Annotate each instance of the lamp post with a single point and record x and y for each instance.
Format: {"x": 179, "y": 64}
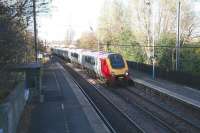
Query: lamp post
{"x": 153, "y": 41}
{"x": 178, "y": 36}
{"x": 152, "y": 55}
{"x": 35, "y": 31}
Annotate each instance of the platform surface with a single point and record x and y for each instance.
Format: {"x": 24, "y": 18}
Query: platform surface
{"x": 65, "y": 109}
{"x": 181, "y": 92}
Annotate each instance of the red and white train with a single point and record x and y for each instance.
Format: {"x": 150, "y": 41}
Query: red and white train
{"x": 104, "y": 65}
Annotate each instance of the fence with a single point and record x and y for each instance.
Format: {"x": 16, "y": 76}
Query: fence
{"x": 175, "y": 76}
{"x": 189, "y": 62}
{"x": 189, "y": 59}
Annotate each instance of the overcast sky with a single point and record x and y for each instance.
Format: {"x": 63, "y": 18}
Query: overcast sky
{"x": 79, "y": 14}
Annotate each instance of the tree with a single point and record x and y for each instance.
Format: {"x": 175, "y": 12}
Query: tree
{"x": 88, "y": 41}
{"x": 113, "y": 22}
{"x": 165, "y": 20}
{"x": 16, "y": 41}
{"x": 115, "y": 30}
{"x": 165, "y": 52}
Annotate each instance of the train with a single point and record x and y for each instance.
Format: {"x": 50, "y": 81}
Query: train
{"x": 107, "y": 66}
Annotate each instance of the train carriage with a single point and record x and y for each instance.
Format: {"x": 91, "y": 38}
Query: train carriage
{"x": 105, "y": 65}
{"x": 62, "y": 52}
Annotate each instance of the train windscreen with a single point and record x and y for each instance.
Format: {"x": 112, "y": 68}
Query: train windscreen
{"x": 116, "y": 61}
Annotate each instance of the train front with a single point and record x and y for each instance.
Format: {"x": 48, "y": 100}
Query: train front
{"x": 115, "y": 68}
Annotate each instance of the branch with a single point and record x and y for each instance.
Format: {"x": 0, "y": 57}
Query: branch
{"x": 19, "y": 9}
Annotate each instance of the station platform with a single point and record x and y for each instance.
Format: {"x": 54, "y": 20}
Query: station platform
{"x": 65, "y": 109}
{"x": 183, "y": 93}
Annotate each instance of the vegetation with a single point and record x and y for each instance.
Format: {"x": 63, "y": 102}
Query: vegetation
{"x": 88, "y": 41}
{"x": 16, "y": 41}
{"x": 127, "y": 27}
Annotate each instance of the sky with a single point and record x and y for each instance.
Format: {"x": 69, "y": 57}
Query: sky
{"x": 196, "y": 4}
{"x": 78, "y": 15}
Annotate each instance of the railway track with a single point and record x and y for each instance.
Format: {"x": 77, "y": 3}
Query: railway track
{"x": 181, "y": 109}
{"x": 124, "y": 95}
{"x": 166, "y": 117}
{"x": 114, "y": 118}
{"x": 120, "y": 122}
{"x": 170, "y": 120}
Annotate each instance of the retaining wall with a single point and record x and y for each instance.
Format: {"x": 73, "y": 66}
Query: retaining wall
{"x": 11, "y": 109}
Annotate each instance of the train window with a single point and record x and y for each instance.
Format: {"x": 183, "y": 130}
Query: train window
{"x": 89, "y": 60}
{"x": 76, "y": 55}
{"x": 65, "y": 53}
{"x": 92, "y": 61}
{"x": 116, "y": 61}
{"x": 86, "y": 59}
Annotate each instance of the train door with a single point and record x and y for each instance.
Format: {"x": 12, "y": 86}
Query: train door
{"x": 98, "y": 66}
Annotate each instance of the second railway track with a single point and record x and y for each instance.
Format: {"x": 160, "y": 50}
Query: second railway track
{"x": 182, "y": 124}
{"x": 176, "y": 123}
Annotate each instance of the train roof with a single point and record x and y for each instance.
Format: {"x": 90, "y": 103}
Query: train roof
{"x": 98, "y": 54}
{"x": 87, "y": 52}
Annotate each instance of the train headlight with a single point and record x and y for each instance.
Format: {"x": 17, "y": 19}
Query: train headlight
{"x": 126, "y": 73}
